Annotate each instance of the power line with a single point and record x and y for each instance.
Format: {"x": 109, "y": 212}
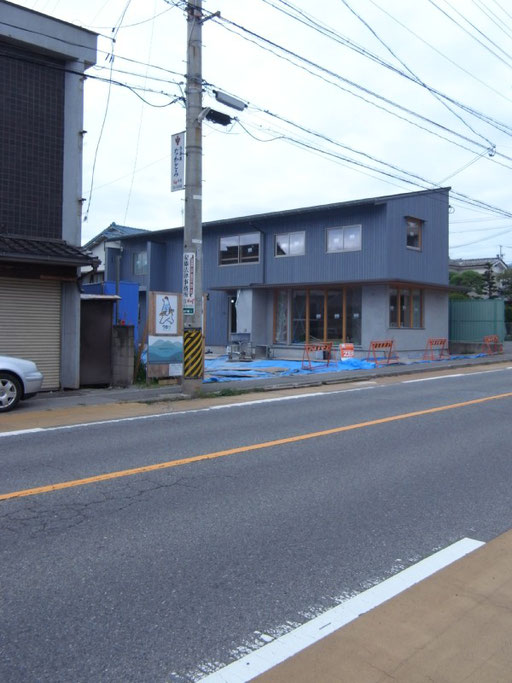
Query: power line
{"x": 441, "y": 54}
{"x": 471, "y": 35}
{"x": 415, "y": 76}
{"x": 289, "y": 55}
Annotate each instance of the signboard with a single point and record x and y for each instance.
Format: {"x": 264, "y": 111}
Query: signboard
{"x": 166, "y": 313}
{"x": 178, "y": 162}
{"x": 189, "y": 283}
{"x": 168, "y": 352}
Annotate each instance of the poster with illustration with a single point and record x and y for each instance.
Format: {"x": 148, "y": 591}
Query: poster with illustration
{"x": 166, "y": 314}
{"x": 166, "y": 351}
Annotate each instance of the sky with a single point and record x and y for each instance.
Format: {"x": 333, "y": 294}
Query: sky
{"x": 347, "y": 99}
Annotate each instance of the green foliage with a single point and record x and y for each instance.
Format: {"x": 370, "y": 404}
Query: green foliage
{"x": 472, "y": 282}
{"x": 490, "y": 286}
{"x": 505, "y": 281}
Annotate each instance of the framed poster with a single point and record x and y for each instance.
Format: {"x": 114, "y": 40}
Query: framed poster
{"x": 166, "y": 313}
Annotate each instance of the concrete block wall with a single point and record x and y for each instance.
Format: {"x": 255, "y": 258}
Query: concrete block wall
{"x": 123, "y": 354}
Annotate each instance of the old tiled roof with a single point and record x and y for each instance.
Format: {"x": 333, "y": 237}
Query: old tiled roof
{"x": 112, "y": 232}
{"x": 36, "y": 250}
{"x": 469, "y": 262}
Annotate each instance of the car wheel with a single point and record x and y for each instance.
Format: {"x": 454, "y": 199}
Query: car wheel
{"x": 10, "y": 392}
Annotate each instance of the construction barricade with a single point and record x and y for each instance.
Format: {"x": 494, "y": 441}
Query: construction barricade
{"x": 492, "y": 345}
{"x": 325, "y": 347}
{"x": 436, "y": 349}
{"x": 387, "y": 346}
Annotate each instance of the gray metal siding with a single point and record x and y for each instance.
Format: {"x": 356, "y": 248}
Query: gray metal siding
{"x": 316, "y": 265}
{"x": 430, "y": 264}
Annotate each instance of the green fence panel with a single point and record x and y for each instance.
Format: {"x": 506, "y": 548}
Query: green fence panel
{"x": 471, "y": 321}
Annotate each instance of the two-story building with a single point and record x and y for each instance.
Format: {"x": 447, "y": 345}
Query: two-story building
{"x": 355, "y": 271}
{"x": 42, "y": 65}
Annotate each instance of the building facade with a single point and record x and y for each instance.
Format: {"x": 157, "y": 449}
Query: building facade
{"x": 42, "y": 64}
{"x": 355, "y": 272}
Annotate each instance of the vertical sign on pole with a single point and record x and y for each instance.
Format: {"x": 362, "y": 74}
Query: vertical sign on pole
{"x": 178, "y": 162}
{"x": 189, "y": 283}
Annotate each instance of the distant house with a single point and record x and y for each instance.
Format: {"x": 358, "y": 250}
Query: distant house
{"x": 479, "y": 265}
{"x": 42, "y": 65}
{"x": 355, "y": 271}
{"x": 96, "y": 246}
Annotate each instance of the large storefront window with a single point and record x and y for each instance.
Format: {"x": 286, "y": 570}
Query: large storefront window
{"x": 318, "y": 315}
{"x": 353, "y": 315}
{"x": 335, "y": 314}
{"x": 281, "y": 316}
{"x": 405, "y": 307}
{"x": 299, "y": 304}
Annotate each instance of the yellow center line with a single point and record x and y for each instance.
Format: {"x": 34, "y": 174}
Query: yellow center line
{"x": 242, "y": 449}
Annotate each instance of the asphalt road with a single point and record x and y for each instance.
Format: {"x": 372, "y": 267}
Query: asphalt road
{"x": 167, "y": 574}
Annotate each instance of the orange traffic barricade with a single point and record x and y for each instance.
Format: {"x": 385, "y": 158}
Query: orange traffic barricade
{"x": 325, "y": 347}
{"x": 436, "y": 349}
{"x": 387, "y": 346}
{"x": 491, "y": 344}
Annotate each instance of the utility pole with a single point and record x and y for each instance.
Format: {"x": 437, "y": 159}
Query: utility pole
{"x": 193, "y": 341}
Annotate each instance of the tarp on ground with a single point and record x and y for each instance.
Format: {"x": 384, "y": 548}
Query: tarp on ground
{"x": 222, "y": 370}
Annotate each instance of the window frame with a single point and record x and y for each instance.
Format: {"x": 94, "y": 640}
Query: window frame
{"x": 344, "y": 228}
{"x": 288, "y": 236}
{"x": 137, "y": 267}
{"x": 418, "y": 223}
{"x": 400, "y": 293}
{"x": 241, "y": 260}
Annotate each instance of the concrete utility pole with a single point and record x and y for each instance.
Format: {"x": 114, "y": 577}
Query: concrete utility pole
{"x": 193, "y": 341}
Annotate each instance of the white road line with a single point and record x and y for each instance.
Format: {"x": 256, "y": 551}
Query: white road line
{"x": 430, "y": 379}
{"x": 293, "y": 642}
{"x": 225, "y": 406}
{"x": 459, "y": 374}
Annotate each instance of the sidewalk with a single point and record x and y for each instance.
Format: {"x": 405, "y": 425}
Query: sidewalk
{"x": 454, "y": 626}
{"x": 154, "y": 394}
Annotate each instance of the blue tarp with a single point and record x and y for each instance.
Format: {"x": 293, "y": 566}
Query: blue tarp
{"x": 220, "y": 369}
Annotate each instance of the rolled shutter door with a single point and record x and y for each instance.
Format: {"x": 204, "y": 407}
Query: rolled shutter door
{"x": 30, "y": 313}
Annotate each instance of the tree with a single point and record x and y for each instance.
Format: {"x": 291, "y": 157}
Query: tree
{"x": 490, "y": 286}
{"x": 472, "y": 282}
{"x": 505, "y": 282}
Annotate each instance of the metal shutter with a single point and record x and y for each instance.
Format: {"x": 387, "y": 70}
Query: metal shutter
{"x": 30, "y": 324}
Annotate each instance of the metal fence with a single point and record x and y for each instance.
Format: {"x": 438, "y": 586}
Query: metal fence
{"x": 471, "y": 321}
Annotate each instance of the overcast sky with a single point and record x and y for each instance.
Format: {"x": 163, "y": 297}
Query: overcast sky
{"x": 325, "y": 122}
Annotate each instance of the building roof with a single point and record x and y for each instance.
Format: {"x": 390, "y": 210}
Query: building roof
{"x": 469, "y": 263}
{"x": 34, "y": 250}
{"x": 113, "y": 232}
{"x": 370, "y": 201}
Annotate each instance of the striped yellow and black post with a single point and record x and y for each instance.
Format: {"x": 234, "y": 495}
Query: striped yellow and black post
{"x": 193, "y": 355}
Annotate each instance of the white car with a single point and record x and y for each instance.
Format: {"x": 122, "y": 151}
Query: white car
{"x": 19, "y": 379}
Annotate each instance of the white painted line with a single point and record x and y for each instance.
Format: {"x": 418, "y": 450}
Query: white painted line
{"x": 241, "y": 404}
{"x": 430, "y": 379}
{"x": 286, "y": 646}
{"x": 23, "y": 431}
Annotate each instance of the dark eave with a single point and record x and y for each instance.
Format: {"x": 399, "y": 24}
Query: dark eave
{"x": 18, "y": 249}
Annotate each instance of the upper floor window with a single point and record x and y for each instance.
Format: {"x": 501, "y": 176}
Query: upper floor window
{"x": 347, "y": 238}
{"x": 140, "y": 263}
{"x": 414, "y": 232}
{"x": 290, "y": 244}
{"x": 239, "y": 249}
